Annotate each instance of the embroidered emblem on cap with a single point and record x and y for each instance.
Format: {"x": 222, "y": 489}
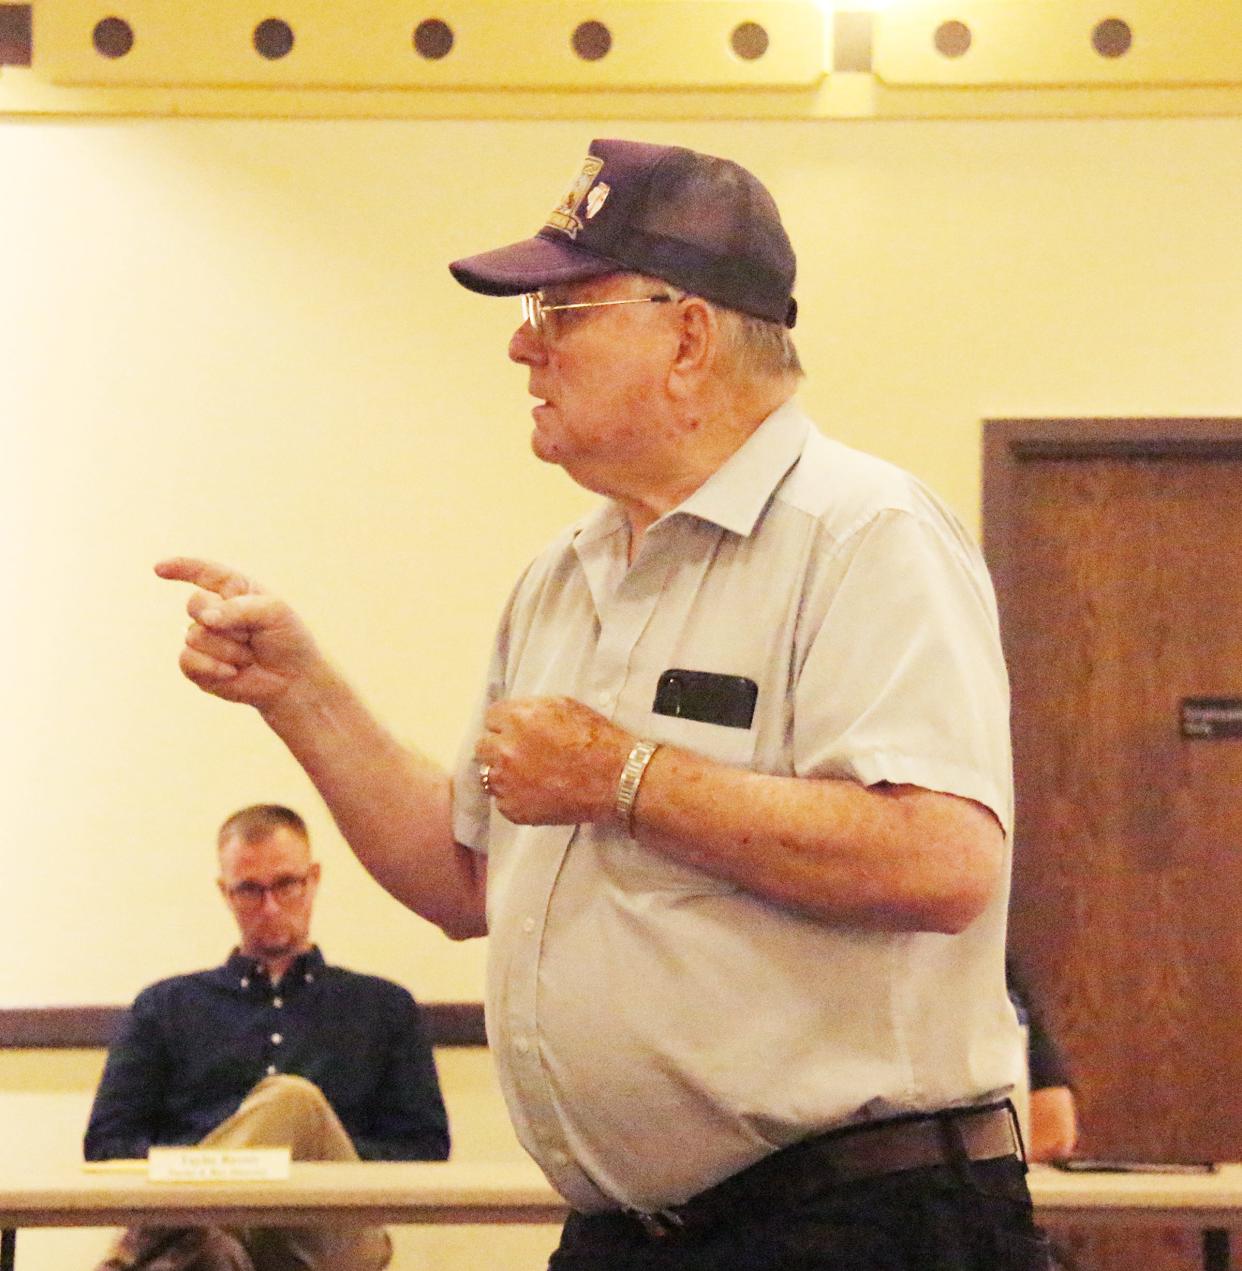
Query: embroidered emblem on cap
{"x": 564, "y": 216}
{"x": 595, "y": 200}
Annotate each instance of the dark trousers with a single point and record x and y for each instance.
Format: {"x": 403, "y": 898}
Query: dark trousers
{"x": 972, "y": 1216}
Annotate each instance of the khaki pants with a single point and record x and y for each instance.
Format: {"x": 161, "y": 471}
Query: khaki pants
{"x": 281, "y": 1111}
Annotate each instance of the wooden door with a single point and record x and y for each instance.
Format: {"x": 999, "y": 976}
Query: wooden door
{"x": 1117, "y": 551}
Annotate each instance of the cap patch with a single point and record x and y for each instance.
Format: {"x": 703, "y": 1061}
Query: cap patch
{"x": 564, "y": 216}
{"x": 595, "y": 200}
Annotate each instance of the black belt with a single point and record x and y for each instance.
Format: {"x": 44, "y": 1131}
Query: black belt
{"x": 839, "y": 1156}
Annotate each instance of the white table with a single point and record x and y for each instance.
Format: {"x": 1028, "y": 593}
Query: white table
{"x": 316, "y": 1192}
{"x": 1209, "y": 1202}
{"x": 457, "y": 1192}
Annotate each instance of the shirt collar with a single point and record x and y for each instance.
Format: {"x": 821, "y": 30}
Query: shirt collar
{"x": 246, "y": 970}
{"x": 735, "y": 495}
{"x": 601, "y": 521}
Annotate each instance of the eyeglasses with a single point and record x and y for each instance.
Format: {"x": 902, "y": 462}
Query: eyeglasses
{"x": 284, "y": 891}
{"x": 534, "y": 310}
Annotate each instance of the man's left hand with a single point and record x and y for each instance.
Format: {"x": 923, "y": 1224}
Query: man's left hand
{"x": 551, "y": 760}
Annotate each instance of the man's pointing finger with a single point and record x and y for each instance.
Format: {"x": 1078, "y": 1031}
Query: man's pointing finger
{"x": 225, "y": 582}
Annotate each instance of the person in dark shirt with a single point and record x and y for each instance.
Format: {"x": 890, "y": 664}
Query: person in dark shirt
{"x": 274, "y": 1048}
{"x": 1053, "y": 1118}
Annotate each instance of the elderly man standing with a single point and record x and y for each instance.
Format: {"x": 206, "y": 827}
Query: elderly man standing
{"x": 274, "y": 1048}
{"x": 735, "y": 809}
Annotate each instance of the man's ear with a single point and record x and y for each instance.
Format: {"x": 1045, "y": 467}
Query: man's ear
{"x": 698, "y": 341}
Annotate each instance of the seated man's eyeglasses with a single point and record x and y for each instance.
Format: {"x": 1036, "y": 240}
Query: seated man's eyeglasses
{"x": 535, "y": 308}
{"x": 285, "y": 890}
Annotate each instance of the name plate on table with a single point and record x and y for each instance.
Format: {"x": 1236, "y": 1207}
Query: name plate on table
{"x": 217, "y": 1165}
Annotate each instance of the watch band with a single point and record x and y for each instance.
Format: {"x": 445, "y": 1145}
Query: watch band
{"x": 631, "y": 775}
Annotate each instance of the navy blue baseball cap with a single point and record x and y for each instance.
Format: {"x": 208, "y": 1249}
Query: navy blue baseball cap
{"x": 704, "y": 224}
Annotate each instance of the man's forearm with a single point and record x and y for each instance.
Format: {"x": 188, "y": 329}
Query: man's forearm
{"x": 885, "y": 857}
{"x": 427, "y": 1145}
{"x": 888, "y": 857}
{"x": 124, "y": 1116}
{"x": 393, "y": 806}
{"x": 116, "y": 1144}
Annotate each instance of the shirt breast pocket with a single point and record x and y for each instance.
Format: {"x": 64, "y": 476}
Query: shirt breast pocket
{"x": 732, "y": 746}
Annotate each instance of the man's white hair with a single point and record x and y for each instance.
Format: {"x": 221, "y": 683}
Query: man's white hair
{"x": 757, "y": 348}
{"x": 754, "y": 348}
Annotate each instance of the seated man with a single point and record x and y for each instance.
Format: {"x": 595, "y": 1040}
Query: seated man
{"x": 274, "y": 1048}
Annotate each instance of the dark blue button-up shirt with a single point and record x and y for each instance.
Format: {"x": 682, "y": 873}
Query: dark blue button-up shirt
{"x": 193, "y": 1046}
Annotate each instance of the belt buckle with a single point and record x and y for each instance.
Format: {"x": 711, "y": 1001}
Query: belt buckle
{"x": 659, "y": 1225}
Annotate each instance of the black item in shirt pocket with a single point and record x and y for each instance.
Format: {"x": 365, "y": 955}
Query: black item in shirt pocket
{"x": 708, "y": 697}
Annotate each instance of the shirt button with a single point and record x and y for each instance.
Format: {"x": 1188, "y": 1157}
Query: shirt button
{"x": 521, "y": 1045}
{"x": 278, "y": 1002}
{"x": 271, "y": 1070}
{"x": 559, "y": 1158}
{"x": 528, "y": 926}
{"x": 606, "y": 700}
{"x": 277, "y": 1039}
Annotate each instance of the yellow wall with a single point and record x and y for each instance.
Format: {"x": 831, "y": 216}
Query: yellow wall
{"x": 238, "y": 338}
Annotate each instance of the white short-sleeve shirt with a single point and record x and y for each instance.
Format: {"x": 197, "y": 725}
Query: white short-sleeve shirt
{"x": 657, "y": 1029}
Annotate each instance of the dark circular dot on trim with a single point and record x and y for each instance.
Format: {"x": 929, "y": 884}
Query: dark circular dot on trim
{"x": 749, "y": 40}
{"x": 433, "y": 39}
{"x": 952, "y": 38}
{"x": 1112, "y": 37}
{"x": 112, "y": 37}
{"x": 273, "y": 38}
{"x": 592, "y": 40}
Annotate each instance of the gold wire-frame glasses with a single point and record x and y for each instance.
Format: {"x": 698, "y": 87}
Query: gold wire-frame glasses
{"x": 534, "y": 309}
